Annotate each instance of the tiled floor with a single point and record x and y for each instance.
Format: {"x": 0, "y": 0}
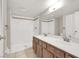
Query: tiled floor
{"x": 28, "y": 53}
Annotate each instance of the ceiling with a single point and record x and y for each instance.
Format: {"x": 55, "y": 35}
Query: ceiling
{"x": 70, "y": 6}
{"x": 32, "y": 8}
{"x": 28, "y": 8}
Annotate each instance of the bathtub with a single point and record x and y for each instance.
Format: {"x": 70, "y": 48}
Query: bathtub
{"x": 19, "y": 47}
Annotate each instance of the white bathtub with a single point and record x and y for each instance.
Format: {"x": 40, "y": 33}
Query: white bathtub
{"x": 19, "y": 47}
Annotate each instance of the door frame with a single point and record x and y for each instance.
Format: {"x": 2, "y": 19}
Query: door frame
{"x": 6, "y": 24}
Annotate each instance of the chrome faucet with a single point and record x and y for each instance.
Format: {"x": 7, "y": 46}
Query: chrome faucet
{"x": 67, "y": 39}
{"x": 45, "y": 34}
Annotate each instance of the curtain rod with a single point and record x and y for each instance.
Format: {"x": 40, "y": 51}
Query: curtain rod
{"x": 15, "y": 17}
{"x": 47, "y": 21}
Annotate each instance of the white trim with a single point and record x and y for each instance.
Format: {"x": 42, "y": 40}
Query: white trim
{"x": 25, "y": 18}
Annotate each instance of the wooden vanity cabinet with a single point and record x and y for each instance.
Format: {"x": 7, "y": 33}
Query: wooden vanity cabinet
{"x": 51, "y": 49}
{"x": 59, "y": 53}
{"x": 39, "y": 51}
{"x": 55, "y": 51}
{"x": 35, "y": 45}
{"x": 47, "y": 54}
{"x": 44, "y": 45}
{"x": 44, "y": 50}
{"x": 67, "y": 55}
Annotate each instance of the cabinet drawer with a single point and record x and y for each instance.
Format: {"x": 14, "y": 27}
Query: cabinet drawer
{"x": 39, "y": 51}
{"x": 59, "y": 53}
{"x": 47, "y": 54}
{"x": 40, "y": 42}
{"x": 36, "y": 40}
{"x": 33, "y": 37}
{"x": 51, "y": 49}
{"x": 69, "y": 56}
{"x": 44, "y": 45}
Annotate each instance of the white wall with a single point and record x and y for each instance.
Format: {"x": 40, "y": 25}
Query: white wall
{"x": 71, "y": 24}
{"x": 21, "y": 32}
{"x": 51, "y": 27}
{"x": 36, "y": 28}
{"x": 44, "y": 27}
{"x": 48, "y": 27}
{"x": 0, "y": 18}
{"x": 59, "y": 26}
{"x": 76, "y": 26}
{"x": 1, "y": 31}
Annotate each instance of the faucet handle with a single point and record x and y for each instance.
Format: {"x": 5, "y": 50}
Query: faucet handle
{"x": 45, "y": 34}
{"x": 70, "y": 36}
{"x": 75, "y": 31}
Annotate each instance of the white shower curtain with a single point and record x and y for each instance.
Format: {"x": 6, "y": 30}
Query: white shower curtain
{"x": 21, "y": 33}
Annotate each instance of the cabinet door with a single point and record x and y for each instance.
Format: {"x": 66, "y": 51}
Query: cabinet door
{"x": 33, "y": 43}
{"x": 59, "y": 53}
{"x": 47, "y": 54}
{"x": 39, "y": 51}
{"x": 69, "y": 56}
{"x": 56, "y": 52}
{"x": 51, "y": 49}
{"x": 34, "y": 46}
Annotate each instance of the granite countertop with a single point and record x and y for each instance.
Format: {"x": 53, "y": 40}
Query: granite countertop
{"x": 70, "y": 47}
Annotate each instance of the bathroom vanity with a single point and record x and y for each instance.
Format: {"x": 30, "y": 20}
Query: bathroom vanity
{"x": 54, "y": 47}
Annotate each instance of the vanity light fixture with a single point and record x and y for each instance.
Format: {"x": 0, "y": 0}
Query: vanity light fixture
{"x": 56, "y": 6}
